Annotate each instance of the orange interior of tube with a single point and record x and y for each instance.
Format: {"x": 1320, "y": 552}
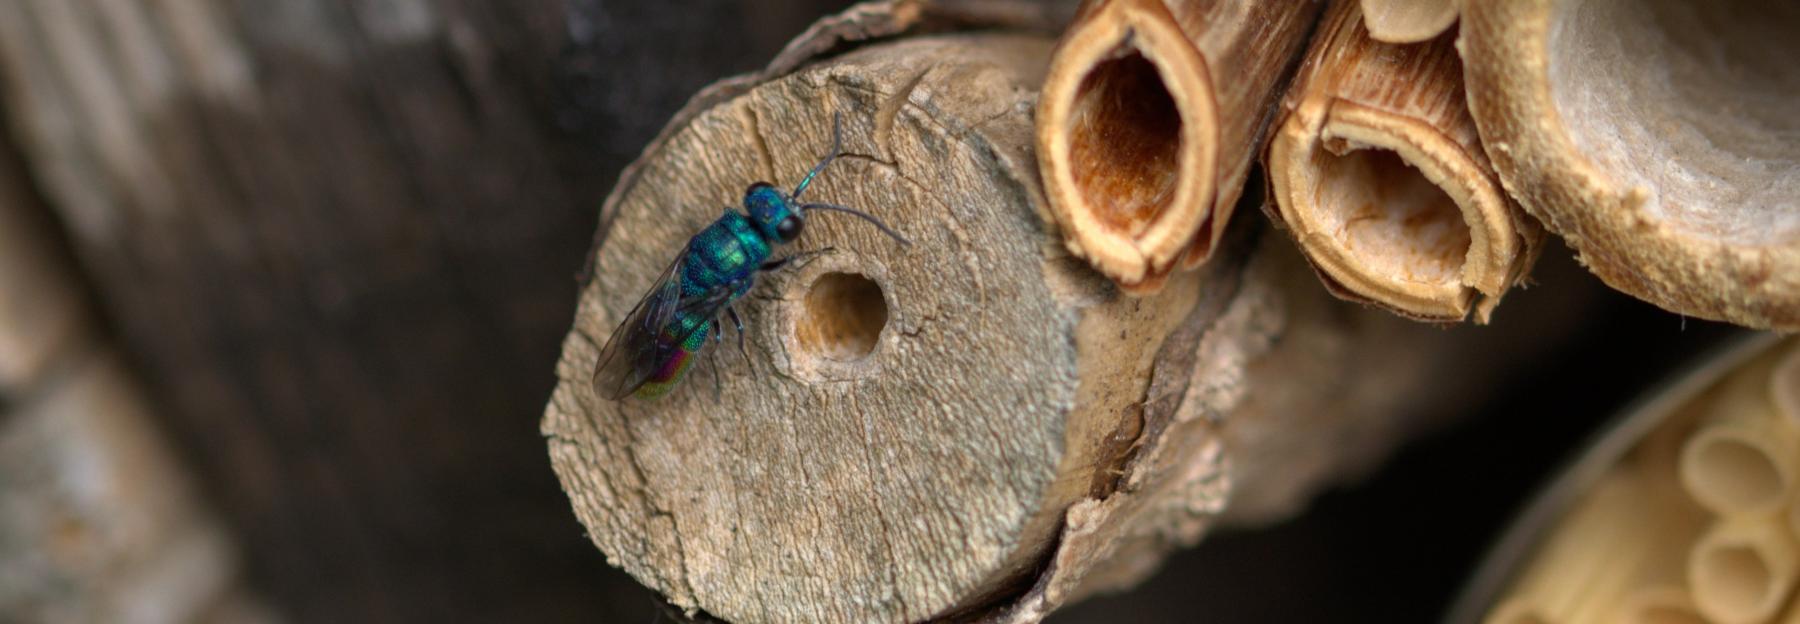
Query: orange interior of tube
{"x": 1125, "y": 142}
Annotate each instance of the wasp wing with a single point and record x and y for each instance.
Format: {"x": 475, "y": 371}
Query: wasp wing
{"x": 638, "y": 349}
{"x": 634, "y": 353}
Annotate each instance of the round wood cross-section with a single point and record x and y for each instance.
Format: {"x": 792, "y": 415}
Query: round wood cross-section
{"x": 901, "y": 440}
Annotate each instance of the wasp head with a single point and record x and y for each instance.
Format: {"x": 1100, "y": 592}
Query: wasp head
{"x": 773, "y": 213}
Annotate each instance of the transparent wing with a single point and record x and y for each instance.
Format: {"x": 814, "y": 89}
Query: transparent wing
{"x": 633, "y": 353}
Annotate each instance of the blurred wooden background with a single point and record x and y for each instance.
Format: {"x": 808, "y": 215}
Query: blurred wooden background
{"x": 337, "y": 243}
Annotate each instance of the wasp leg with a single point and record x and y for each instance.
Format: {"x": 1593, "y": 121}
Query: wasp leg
{"x": 739, "y": 324}
{"x": 774, "y": 265}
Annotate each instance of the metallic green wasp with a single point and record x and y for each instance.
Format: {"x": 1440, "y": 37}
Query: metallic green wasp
{"x": 651, "y": 350}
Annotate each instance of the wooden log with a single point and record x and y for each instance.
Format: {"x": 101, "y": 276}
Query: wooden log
{"x": 339, "y": 238}
{"x": 1656, "y": 138}
{"x": 1377, "y": 172}
{"x": 1150, "y": 119}
{"x": 1010, "y": 431}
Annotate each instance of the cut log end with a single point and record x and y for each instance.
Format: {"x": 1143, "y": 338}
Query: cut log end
{"x": 910, "y": 420}
{"x": 1656, "y": 138}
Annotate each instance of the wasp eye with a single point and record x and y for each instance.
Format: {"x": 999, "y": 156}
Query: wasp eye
{"x": 789, "y": 228}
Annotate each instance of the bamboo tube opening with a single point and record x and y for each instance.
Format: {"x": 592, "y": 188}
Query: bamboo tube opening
{"x": 1127, "y": 131}
{"x": 1742, "y": 571}
{"x": 1395, "y": 220}
{"x": 1692, "y": 103}
{"x": 843, "y": 317}
{"x": 1376, "y": 171}
{"x": 1743, "y": 459}
{"x": 1729, "y": 470}
{"x": 1736, "y": 578}
{"x": 1124, "y": 150}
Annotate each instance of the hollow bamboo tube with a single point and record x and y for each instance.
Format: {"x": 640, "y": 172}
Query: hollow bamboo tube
{"x": 1379, "y": 175}
{"x": 1743, "y": 569}
{"x": 1656, "y": 137}
{"x": 1149, "y": 119}
{"x": 1742, "y": 459}
{"x": 1591, "y": 560}
{"x": 1408, "y": 21}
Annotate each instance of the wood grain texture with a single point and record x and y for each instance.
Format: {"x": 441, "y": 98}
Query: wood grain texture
{"x": 1152, "y": 114}
{"x": 1377, "y": 171}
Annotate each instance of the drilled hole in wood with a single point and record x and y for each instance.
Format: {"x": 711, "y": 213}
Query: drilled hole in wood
{"x": 1394, "y": 216}
{"x": 1124, "y": 146}
{"x": 842, "y": 318}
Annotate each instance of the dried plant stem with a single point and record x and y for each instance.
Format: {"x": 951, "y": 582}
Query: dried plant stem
{"x": 1742, "y": 570}
{"x": 1408, "y": 21}
{"x": 1743, "y": 460}
{"x": 1148, "y": 121}
{"x": 1377, "y": 171}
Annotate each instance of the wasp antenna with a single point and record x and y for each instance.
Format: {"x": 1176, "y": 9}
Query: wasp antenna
{"x": 860, "y": 214}
{"x": 837, "y": 144}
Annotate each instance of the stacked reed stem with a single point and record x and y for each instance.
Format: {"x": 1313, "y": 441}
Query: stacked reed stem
{"x": 1699, "y": 523}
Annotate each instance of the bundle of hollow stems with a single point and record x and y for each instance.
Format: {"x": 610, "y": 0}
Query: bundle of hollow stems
{"x": 1153, "y": 111}
{"x": 1657, "y": 140}
{"x": 1699, "y": 523}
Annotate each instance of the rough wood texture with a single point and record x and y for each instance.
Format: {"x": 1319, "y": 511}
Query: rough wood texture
{"x": 339, "y": 239}
{"x": 1151, "y": 116}
{"x": 1658, "y": 138}
{"x": 1377, "y": 172}
{"x": 1408, "y": 21}
{"x": 1019, "y": 433}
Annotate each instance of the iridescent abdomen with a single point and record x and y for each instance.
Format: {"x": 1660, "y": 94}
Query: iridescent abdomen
{"x": 725, "y": 254}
